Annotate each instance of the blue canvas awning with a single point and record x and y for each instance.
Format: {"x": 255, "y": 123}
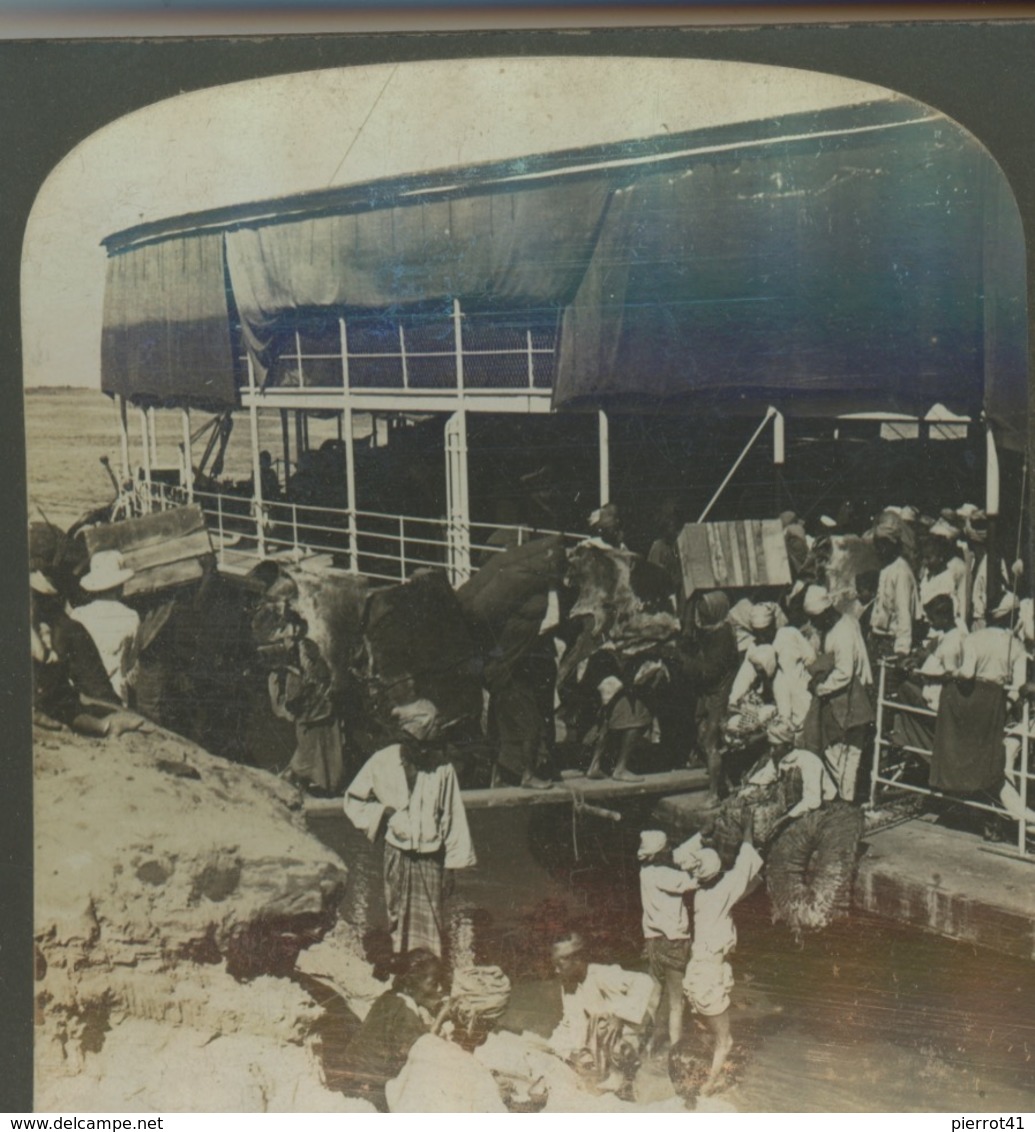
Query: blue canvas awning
{"x": 866, "y": 257}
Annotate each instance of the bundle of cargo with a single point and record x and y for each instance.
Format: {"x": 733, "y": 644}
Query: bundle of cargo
{"x": 747, "y": 554}
{"x": 419, "y": 646}
{"x": 164, "y": 550}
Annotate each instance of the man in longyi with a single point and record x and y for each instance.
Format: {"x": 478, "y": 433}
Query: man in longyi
{"x": 408, "y": 794}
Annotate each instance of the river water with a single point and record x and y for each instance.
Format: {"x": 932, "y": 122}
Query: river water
{"x": 864, "y": 1017}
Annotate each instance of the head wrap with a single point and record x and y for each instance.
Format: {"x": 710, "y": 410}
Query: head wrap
{"x": 712, "y": 609}
{"x": 826, "y": 521}
{"x": 942, "y": 529}
{"x": 479, "y": 992}
{"x": 888, "y": 526}
{"x": 762, "y": 615}
{"x": 975, "y": 526}
{"x": 703, "y": 864}
{"x": 909, "y": 514}
{"x": 780, "y": 732}
{"x": 763, "y": 657}
{"x": 817, "y": 601}
{"x": 652, "y": 842}
{"x": 788, "y": 517}
{"x": 604, "y": 518}
{"x": 967, "y": 510}
{"x": 419, "y": 719}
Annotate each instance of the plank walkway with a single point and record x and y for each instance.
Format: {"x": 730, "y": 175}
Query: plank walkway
{"x": 573, "y": 789}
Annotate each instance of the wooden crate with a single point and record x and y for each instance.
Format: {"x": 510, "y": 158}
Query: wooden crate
{"x": 164, "y": 549}
{"x": 745, "y": 554}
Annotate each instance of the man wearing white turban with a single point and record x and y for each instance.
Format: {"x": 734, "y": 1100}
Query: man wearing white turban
{"x": 409, "y": 795}
{"x": 842, "y": 709}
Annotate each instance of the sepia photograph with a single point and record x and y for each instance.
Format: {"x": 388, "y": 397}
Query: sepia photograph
{"x": 529, "y": 572}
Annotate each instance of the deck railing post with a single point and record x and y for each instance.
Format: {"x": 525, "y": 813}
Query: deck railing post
{"x": 879, "y": 732}
{"x": 145, "y": 447}
{"x": 219, "y": 525}
{"x": 402, "y": 549}
{"x": 1022, "y": 824}
{"x": 253, "y": 420}
{"x": 350, "y": 448}
{"x": 294, "y": 529}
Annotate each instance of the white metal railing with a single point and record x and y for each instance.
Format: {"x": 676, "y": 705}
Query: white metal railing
{"x": 893, "y": 762}
{"x": 536, "y": 361}
{"x": 386, "y": 547}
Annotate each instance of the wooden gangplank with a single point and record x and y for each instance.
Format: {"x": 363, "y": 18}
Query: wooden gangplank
{"x": 574, "y": 789}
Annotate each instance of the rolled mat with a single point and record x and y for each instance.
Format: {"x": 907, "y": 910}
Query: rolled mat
{"x": 811, "y": 867}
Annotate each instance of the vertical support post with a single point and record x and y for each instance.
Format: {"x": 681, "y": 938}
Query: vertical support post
{"x": 402, "y": 549}
{"x": 299, "y": 435}
{"x": 285, "y": 439}
{"x": 219, "y": 525}
{"x": 1022, "y": 824}
{"x": 188, "y": 456}
{"x": 294, "y": 530}
{"x": 604, "y": 434}
{"x": 350, "y": 447}
{"x": 145, "y": 447}
{"x": 994, "y": 584}
{"x": 253, "y": 421}
{"x": 152, "y": 433}
{"x": 120, "y": 412}
{"x": 402, "y": 357}
{"x": 531, "y": 360}
{"x": 779, "y": 454}
{"x": 298, "y": 359}
{"x": 456, "y": 468}
{"x": 877, "y": 734}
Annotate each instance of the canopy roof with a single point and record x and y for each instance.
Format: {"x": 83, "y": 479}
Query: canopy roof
{"x": 846, "y": 259}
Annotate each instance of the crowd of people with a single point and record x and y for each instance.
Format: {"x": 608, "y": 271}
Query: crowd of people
{"x": 782, "y": 688}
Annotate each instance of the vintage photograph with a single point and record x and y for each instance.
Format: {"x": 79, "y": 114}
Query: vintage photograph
{"x": 531, "y": 595}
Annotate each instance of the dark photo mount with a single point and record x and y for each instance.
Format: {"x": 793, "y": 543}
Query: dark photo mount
{"x": 54, "y": 94}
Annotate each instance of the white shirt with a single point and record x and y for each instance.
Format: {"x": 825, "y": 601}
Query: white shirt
{"x": 439, "y": 1076}
{"x": 665, "y": 915}
{"x": 113, "y": 627}
{"x": 715, "y": 935}
{"x": 606, "y": 990}
{"x": 946, "y": 658}
{"x": 896, "y": 605}
{"x": 817, "y": 785}
{"x": 851, "y": 662}
{"x": 794, "y": 654}
{"x": 997, "y": 656}
{"x": 429, "y": 819}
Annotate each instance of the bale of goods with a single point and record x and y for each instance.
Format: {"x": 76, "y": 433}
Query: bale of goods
{"x": 811, "y": 867}
{"x": 502, "y": 587}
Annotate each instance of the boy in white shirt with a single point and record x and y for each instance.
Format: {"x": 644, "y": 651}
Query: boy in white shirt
{"x": 709, "y": 977}
{"x": 666, "y": 922}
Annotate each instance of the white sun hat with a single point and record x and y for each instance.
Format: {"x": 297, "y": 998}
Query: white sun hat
{"x": 107, "y": 571}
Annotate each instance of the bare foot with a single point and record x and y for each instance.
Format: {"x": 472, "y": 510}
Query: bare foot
{"x": 595, "y": 773}
{"x": 626, "y": 776}
{"x": 531, "y": 782}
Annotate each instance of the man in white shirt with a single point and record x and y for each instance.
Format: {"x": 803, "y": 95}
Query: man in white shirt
{"x": 792, "y": 690}
{"x": 709, "y": 977}
{"x": 896, "y": 606}
{"x": 666, "y": 922}
{"x": 842, "y": 709}
{"x": 109, "y": 621}
{"x": 410, "y": 796}
{"x": 817, "y": 784}
{"x": 604, "y": 1008}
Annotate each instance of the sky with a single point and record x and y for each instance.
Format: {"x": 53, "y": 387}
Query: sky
{"x": 292, "y": 133}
